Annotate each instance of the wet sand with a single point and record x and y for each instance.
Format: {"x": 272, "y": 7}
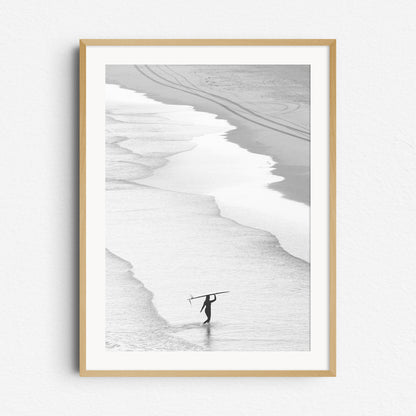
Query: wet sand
{"x": 177, "y": 243}
{"x": 280, "y": 97}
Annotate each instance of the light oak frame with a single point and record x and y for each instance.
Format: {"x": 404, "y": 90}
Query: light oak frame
{"x": 84, "y": 43}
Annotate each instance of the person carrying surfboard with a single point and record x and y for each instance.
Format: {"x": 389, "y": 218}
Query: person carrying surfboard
{"x": 207, "y": 306}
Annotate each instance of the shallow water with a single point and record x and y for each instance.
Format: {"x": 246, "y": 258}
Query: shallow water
{"x": 238, "y": 180}
{"x": 163, "y": 184}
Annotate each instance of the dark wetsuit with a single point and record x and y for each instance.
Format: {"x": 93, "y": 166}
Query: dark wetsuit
{"x": 207, "y": 306}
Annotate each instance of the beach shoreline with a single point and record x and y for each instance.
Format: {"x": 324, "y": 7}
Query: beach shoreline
{"x": 200, "y": 248}
{"x": 132, "y": 321}
{"x": 291, "y": 155}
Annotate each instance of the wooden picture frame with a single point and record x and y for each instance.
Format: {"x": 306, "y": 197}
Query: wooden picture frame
{"x": 85, "y": 370}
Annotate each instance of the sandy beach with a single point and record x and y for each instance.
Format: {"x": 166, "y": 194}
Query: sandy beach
{"x": 279, "y": 96}
{"x": 179, "y": 234}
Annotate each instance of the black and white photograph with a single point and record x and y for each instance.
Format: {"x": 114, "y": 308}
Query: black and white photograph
{"x": 207, "y": 207}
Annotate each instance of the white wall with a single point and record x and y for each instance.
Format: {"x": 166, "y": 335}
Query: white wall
{"x": 376, "y": 207}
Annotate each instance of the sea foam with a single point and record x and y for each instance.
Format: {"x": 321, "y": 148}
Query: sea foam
{"x": 177, "y": 211}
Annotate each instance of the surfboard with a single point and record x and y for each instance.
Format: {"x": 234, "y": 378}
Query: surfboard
{"x": 208, "y": 294}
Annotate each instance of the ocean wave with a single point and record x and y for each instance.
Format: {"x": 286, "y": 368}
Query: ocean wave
{"x": 170, "y": 226}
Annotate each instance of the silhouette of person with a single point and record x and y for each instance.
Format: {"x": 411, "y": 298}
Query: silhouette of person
{"x": 207, "y": 306}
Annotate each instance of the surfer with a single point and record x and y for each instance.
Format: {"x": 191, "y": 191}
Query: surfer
{"x": 207, "y": 306}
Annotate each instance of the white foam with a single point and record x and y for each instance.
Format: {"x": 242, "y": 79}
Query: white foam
{"x": 236, "y": 178}
{"x": 171, "y": 232}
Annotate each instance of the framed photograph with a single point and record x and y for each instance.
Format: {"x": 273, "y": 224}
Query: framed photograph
{"x": 207, "y": 207}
